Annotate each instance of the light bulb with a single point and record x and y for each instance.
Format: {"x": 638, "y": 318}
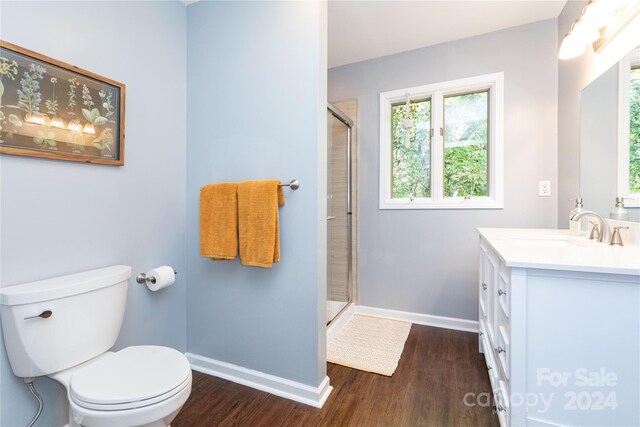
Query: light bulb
{"x": 585, "y": 32}
{"x": 598, "y": 14}
{"x": 617, "y": 4}
{"x": 571, "y": 47}
{"x": 57, "y": 122}
{"x": 88, "y": 128}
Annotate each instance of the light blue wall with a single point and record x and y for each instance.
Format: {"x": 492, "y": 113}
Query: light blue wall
{"x": 256, "y": 107}
{"x": 62, "y": 217}
{"x": 426, "y": 261}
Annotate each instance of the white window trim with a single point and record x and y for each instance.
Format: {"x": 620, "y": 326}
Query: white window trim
{"x": 631, "y": 200}
{"x": 494, "y": 82}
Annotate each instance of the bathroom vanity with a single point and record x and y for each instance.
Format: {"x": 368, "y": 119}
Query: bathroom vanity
{"x": 559, "y": 320}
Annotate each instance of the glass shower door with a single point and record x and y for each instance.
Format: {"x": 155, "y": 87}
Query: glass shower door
{"x": 338, "y": 218}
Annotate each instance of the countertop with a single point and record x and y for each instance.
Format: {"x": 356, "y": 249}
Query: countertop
{"x": 553, "y": 249}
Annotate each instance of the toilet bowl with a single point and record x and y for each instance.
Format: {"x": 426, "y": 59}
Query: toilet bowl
{"x": 64, "y": 328}
{"x": 136, "y": 386}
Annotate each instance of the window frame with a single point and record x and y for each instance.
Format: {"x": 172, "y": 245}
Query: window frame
{"x": 495, "y": 84}
{"x": 632, "y": 60}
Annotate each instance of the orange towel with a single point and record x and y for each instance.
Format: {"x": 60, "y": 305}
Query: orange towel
{"x": 219, "y": 221}
{"x": 258, "y": 227}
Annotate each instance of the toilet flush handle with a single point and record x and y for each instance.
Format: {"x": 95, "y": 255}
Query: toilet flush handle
{"x": 45, "y": 315}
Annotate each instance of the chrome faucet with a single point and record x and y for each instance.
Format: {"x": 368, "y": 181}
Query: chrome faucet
{"x": 605, "y": 232}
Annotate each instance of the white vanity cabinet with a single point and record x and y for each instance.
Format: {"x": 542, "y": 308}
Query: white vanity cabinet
{"x": 562, "y": 346}
{"x": 494, "y": 325}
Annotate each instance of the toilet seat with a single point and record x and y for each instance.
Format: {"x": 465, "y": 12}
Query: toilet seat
{"x": 133, "y": 377}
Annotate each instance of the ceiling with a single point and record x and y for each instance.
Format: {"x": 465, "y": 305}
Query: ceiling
{"x": 360, "y": 30}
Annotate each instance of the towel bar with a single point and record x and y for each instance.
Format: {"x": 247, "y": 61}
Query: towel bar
{"x": 294, "y": 184}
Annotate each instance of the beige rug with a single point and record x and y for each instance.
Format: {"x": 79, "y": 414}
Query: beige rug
{"x": 370, "y": 344}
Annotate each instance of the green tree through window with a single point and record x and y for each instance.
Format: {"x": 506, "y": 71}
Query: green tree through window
{"x": 465, "y": 145}
{"x": 411, "y": 162}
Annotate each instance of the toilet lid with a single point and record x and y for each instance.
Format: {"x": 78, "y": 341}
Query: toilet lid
{"x": 133, "y": 374}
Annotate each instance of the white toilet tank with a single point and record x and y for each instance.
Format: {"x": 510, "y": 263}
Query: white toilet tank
{"x": 54, "y": 324}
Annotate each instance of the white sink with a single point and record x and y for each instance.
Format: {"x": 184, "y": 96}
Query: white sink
{"x": 548, "y": 241}
{"x": 551, "y": 243}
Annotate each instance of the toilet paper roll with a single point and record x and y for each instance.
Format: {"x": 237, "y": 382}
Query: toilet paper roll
{"x": 164, "y": 276}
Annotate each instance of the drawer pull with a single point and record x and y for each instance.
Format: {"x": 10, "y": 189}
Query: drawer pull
{"x": 501, "y": 292}
{"x": 500, "y": 350}
{"x": 484, "y": 286}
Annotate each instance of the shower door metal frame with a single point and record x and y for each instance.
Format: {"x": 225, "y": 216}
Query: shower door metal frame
{"x": 349, "y": 123}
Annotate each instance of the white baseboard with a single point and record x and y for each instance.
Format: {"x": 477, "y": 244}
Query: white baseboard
{"x": 420, "y": 319}
{"x": 313, "y": 396}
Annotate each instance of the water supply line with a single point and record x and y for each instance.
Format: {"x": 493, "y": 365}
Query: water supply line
{"x": 29, "y": 382}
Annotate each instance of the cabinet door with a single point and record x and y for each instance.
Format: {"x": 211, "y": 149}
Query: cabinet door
{"x": 488, "y": 282}
{"x": 491, "y": 281}
{"x": 483, "y": 293}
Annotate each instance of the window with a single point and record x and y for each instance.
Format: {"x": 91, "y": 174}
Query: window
{"x": 412, "y": 155}
{"x": 445, "y": 150}
{"x": 629, "y": 129}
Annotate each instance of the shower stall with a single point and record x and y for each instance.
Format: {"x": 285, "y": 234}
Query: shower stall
{"x": 339, "y": 213}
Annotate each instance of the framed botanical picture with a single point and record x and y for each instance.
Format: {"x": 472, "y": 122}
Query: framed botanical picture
{"x": 55, "y": 110}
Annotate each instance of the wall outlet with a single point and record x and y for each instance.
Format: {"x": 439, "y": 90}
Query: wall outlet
{"x": 544, "y": 188}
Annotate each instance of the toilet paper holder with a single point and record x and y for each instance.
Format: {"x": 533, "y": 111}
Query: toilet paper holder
{"x": 142, "y": 278}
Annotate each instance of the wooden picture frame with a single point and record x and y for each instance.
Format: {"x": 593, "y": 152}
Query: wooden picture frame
{"x": 55, "y": 110}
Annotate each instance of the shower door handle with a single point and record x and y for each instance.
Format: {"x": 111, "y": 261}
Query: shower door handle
{"x": 329, "y": 218}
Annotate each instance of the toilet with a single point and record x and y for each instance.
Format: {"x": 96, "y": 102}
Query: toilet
{"x": 65, "y": 327}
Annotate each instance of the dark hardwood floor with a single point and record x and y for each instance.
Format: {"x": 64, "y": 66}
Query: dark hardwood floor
{"x": 438, "y": 367}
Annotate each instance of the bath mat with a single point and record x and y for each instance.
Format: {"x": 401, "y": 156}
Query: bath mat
{"x": 370, "y": 344}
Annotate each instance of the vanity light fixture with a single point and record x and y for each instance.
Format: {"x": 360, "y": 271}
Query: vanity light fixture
{"x": 600, "y": 13}
{"x": 600, "y": 20}
{"x": 571, "y": 46}
{"x": 584, "y": 30}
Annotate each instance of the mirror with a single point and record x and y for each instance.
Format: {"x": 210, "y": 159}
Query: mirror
{"x": 610, "y": 139}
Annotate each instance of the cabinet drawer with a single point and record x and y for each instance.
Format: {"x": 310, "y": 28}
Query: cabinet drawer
{"x": 502, "y": 403}
{"x": 503, "y": 293}
{"x": 482, "y": 332}
{"x": 503, "y": 351}
{"x": 502, "y": 321}
{"x": 489, "y": 357}
{"x": 483, "y": 292}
